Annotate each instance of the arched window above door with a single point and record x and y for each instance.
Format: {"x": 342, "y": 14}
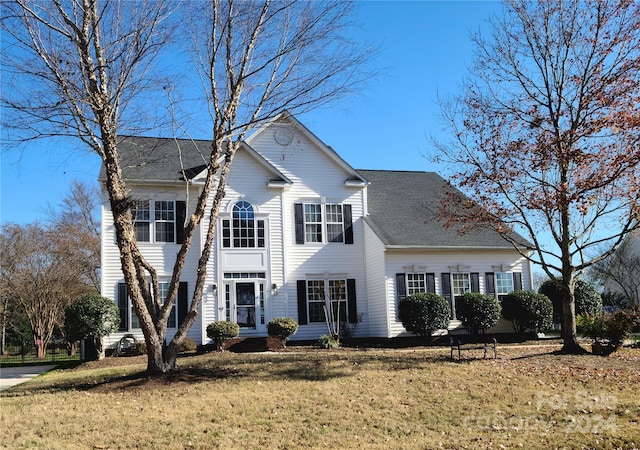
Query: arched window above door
{"x": 243, "y": 230}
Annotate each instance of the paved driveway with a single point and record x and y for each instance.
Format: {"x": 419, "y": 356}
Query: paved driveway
{"x": 10, "y": 376}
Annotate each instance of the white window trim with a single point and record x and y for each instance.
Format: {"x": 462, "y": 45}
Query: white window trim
{"x": 453, "y": 287}
{"x": 326, "y": 279}
{"x": 153, "y": 220}
{"x": 324, "y": 223}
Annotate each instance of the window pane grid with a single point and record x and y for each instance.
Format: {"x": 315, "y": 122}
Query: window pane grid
{"x": 164, "y": 221}
{"x": 313, "y": 222}
{"x": 338, "y": 297}
{"x": 315, "y": 296}
{"x": 504, "y": 282}
{"x": 333, "y": 214}
{"x": 460, "y": 283}
{"x": 141, "y": 218}
{"x": 163, "y": 290}
{"x": 416, "y": 283}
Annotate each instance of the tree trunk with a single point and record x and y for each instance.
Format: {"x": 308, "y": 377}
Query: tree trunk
{"x": 41, "y": 348}
{"x": 569, "y": 335}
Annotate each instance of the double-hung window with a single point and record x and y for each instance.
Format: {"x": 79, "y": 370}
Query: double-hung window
{"x": 316, "y": 299}
{"x": 322, "y": 296}
{"x": 158, "y": 221}
{"x": 416, "y": 283}
{"x": 141, "y": 220}
{"x": 313, "y": 223}
{"x": 460, "y": 284}
{"x": 335, "y": 225}
{"x": 129, "y": 320}
{"x": 328, "y": 295}
{"x": 165, "y": 221}
{"x": 500, "y": 284}
{"x": 323, "y": 223}
{"x": 504, "y": 283}
{"x": 163, "y": 288}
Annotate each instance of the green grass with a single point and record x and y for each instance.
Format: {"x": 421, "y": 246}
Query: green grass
{"x": 375, "y": 399}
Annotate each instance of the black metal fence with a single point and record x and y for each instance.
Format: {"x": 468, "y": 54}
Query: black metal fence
{"x": 26, "y": 354}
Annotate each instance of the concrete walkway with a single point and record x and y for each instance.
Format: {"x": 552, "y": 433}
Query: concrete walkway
{"x": 10, "y": 376}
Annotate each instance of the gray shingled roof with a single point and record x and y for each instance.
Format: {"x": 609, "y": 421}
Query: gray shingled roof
{"x": 157, "y": 159}
{"x": 404, "y": 208}
{"x": 152, "y": 159}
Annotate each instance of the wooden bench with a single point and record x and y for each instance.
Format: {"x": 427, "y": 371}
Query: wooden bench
{"x": 463, "y": 339}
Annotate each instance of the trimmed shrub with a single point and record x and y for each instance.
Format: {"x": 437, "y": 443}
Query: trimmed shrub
{"x": 187, "y": 345}
{"x": 609, "y": 329}
{"x": 282, "y": 328}
{"x": 527, "y": 311}
{"x": 221, "y": 332}
{"x": 424, "y": 313}
{"x": 327, "y": 341}
{"x": 588, "y": 300}
{"x": 477, "y": 311}
{"x": 137, "y": 349}
{"x": 618, "y": 326}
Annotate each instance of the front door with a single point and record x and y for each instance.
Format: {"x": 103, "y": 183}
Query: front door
{"x": 246, "y": 304}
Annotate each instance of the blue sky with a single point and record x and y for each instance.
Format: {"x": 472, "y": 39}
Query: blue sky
{"x": 424, "y": 47}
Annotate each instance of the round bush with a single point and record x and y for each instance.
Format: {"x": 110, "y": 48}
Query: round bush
{"x": 527, "y": 310}
{"x": 282, "y": 328}
{"x": 424, "y": 313}
{"x": 587, "y": 298}
{"x": 137, "y": 349}
{"x": 187, "y": 345}
{"x": 222, "y": 331}
{"x": 477, "y": 311}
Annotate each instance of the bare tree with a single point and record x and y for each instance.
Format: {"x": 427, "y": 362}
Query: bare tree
{"x": 36, "y": 274}
{"x": 620, "y": 271}
{"x": 93, "y": 57}
{"x": 546, "y": 135}
{"x": 75, "y": 219}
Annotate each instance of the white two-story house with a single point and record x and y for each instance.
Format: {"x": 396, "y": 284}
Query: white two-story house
{"x": 300, "y": 230}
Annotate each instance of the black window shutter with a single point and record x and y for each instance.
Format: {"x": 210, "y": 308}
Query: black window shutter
{"x": 123, "y": 307}
{"x": 446, "y": 286}
{"x": 299, "y": 219}
{"x": 352, "y": 309}
{"x": 302, "y": 302}
{"x": 446, "y": 291}
{"x": 489, "y": 283}
{"x": 517, "y": 281}
{"x": 430, "y": 280}
{"x": 183, "y": 301}
{"x": 475, "y": 282}
{"x": 401, "y": 286}
{"x": 348, "y": 226}
{"x": 181, "y": 215}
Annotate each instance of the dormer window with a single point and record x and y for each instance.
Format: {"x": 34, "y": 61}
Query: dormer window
{"x": 243, "y": 230}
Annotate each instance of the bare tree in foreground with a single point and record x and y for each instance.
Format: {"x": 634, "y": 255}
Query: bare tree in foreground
{"x": 91, "y": 60}
{"x": 546, "y": 135}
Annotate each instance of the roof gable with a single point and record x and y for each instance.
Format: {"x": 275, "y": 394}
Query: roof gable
{"x": 285, "y": 122}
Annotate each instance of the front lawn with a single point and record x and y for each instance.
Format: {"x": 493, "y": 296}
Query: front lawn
{"x": 345, "y": 398}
